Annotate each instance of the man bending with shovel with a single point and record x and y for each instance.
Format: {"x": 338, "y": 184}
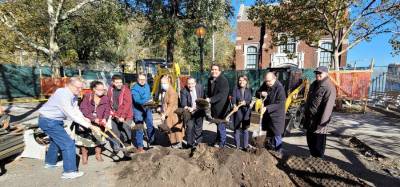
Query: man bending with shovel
{"x": 61, "y": 105}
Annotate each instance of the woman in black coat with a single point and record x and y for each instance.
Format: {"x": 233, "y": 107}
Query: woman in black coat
{"x": 241, "y": 119}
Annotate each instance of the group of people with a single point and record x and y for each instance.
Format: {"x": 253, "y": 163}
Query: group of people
{"x": 122, "y": 113}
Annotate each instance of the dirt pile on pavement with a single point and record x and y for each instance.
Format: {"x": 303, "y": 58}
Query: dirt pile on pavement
{"x": 206, "y": 166}
{"x": 209, "y": 166}
{"x": 317, "y": 172}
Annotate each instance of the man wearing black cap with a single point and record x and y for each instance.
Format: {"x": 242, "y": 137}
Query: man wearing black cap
{"x": 318, "y": 110}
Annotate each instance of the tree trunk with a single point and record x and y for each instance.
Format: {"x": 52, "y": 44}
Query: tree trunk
{"x": 335, "y": 48}
{"x": 170, "y": 50}
{"x": 171, "y": 36}
{"x": 53, "y": 50}
{"x": 336, "y": 59}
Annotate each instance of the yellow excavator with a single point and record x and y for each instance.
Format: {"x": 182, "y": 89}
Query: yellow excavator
{"x": 155, "y": 69}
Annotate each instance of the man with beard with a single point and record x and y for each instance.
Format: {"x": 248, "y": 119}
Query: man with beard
{"x": 121, "y": 111}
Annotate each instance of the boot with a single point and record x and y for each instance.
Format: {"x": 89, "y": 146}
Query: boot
{"x": 84, "y": 154}
{"x": 98, "y": 154}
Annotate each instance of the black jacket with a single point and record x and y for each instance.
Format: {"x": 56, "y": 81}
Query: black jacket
{"x": 244, "y": 112}
{"x": 274, "y": 118}
{"x": 218, "y": 93}
{"x": 186, "y": 98}
{"x": 320, "y": 102}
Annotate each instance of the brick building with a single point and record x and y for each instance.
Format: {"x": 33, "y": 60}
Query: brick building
{"x": 248, "y": 47}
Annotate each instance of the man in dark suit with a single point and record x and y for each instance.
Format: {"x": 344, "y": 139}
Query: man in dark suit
{"x": 194, "y": 126}
{"x": 218, "y": 91}
{"x": 273, "y": 120}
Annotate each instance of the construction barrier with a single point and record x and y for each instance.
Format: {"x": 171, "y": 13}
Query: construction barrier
{"x": 25, "y": 82}
{"x": 49, "y": 85}
{"x": 351, "y": 84}
{"x": 20, "y": 82}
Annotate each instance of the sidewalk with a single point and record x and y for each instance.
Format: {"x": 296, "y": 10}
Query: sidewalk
{"x": 379, "y": 132}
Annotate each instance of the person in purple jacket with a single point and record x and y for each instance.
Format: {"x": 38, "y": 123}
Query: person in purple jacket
{"x": 94, "y": 106}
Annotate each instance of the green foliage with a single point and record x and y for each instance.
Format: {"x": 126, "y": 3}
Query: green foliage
{"x": 94, "y": 34}
{"x": 32, "y": 23}
{"x": 171, "y": 25}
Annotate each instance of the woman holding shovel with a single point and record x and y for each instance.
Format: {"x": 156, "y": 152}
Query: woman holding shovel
{"x": 95, "y": 106}
{"x": 241, "y": 99}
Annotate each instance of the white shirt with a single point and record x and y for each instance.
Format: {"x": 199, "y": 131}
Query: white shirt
{"x": 193, "y": 95}
{"x": 61, "y": 105}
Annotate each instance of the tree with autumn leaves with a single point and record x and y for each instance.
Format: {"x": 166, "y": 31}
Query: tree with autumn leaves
{"x": 345, "y": 22}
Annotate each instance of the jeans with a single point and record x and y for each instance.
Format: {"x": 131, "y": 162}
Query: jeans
{"x": 245, "y": 133}
{"x": 316, "y": 143}
{"x": 221, "y": 134}
{"x": 147, "y": 117}
{"x": 276, "y": 142}
{"x": 59, "y": 141}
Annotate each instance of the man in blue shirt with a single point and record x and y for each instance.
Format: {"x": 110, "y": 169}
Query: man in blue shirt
{"x": 141, "y": 94}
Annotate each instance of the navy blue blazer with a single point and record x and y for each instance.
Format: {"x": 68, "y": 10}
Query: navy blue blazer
{"x": 244, "y": 112}
{"x": 186, "y": 98}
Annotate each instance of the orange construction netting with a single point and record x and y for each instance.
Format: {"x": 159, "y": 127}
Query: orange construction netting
{"x": 351, "y": 84}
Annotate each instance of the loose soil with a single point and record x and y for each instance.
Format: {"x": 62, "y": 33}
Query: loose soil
{"x": 209, "y": 166}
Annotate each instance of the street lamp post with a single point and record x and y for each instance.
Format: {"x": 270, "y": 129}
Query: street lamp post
{"x": 200, "y": 33}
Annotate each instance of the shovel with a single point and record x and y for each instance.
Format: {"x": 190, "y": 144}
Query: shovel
{"x": 259, "y": 132}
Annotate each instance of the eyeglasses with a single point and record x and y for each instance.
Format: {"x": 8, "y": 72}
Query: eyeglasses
{"x": 318, "y": 73}
{"x": 77, "y": 87}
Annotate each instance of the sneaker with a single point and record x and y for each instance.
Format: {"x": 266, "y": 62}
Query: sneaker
{"x": 49, "y": 166}
{"x": 177, "y": 146}
{"x": 72, "y": 175}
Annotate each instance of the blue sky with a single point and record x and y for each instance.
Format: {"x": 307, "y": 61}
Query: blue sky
{"x": 378, "y": 48}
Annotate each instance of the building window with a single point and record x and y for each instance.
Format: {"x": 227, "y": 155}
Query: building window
{"x": 325, "y": 57}
{"x": 289, "y": 47}
{"x": 251, "y": 59}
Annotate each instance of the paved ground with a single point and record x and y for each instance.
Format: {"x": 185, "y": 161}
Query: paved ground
{"x": 379, "y": 132}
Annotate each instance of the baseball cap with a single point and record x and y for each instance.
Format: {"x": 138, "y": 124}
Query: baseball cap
{"x": 321, "y": 69}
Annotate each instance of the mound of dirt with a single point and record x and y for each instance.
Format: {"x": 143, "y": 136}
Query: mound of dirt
{"x": 206, "y": 166}
{"x": 209, "y": 166}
